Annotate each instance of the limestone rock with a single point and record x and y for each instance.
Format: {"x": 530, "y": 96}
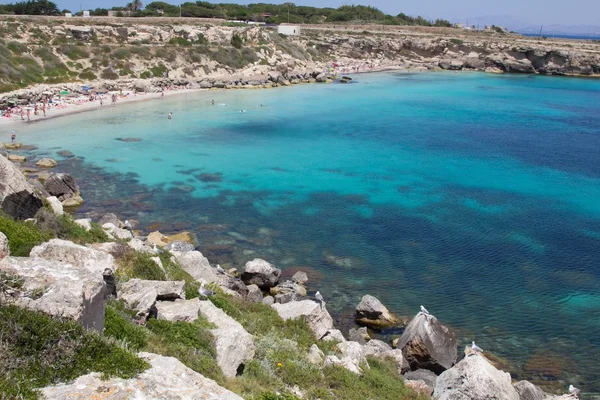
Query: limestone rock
{"x": 4, "y": 247}
{"x": 428, "y": 344}
{"x": 140, "y": 246}
{"x": 46, "y": 163}
{"x": 58, "y": 289}
{"x": 233, "y": 344}
{"x": 178, "y": 310}
{"x": 317, "y": 317}
{"x": 300, "y": 278}
{"x": 74, "y": 201}
{"x": 353, "y": 351}
{"x": 360, "y": 335}
{"x": 17, "y": 197}
{"x": 261, "y": 273}
{"x": 16, "y": 158}
{"x": 141, "y": 295}
{"x": 529, "y": 391}
{"x": 167, "y": 379}
{"x": 195, "y": 264}
{"x": 63, "y": 186}
{"x": 372, "y": 313}
{"x": 474, "y": 378}
{"x": 268, "y": 300}
{"x": 109, "y": 218}
{"x": 80, "y": 256}
{"x": 55, "y": 205}
{"x": 377, "y": 348}
{"x": 85, "y": 223}
{"x": 345, "y": 362}
{"x": 419, "y": 387}
{"x": 334, "y": 335}
{"x": 254, "y": 294}
{"x": 179, "y": 246}
{"x": 422, "y": 375}
{"x": 315, "y": 355}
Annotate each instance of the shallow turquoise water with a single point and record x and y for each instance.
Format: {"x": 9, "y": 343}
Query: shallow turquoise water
{"x": 475, "y": 195}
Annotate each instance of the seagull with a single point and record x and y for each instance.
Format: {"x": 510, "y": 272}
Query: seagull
{"x": 320, "y": 298}
{"x": 127, "y": 225}
{"x": 476, "y": 348}
{"x": 574, "y": 391}
{"x": 220, "y": 270}
{"x": 155, "y": 248}
{"x": 204, "y": 292}
{"x": 424, "y": 311}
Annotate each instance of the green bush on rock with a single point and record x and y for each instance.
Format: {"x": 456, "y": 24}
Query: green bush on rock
{"x": 22, "y": 236}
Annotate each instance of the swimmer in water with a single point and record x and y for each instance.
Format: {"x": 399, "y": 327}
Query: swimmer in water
{"x": 213, "y": 102}
{"x": 242, "y": 111}
{"x": 170, "y": 116}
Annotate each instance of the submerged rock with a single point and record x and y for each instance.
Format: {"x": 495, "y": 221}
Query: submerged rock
{"x": 166, "y": 379}
{"x": 428, "y": 344}
{"x": 63, "y": 186}
{"x": 47, "y": 163}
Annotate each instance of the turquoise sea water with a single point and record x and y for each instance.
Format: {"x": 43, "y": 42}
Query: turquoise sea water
{"x": 477, "y": 196}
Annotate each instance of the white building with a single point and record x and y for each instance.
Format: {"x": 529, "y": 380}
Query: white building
{"x": 289, "y": 30}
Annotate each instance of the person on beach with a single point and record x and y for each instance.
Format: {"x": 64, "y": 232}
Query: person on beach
{"x": 13, "y": 137}
{"x": 22, "y": 114}
{"x": 100, "y": 101}
{"x": 35, "y": 109}
{"x": 44, "y": 108}
{"x": 162, "y": 93}
{"x": 29, "y": 114}
{"x": 170, "y": 116}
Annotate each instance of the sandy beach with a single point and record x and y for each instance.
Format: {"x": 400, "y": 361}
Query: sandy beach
{"x": 12, "y": 123}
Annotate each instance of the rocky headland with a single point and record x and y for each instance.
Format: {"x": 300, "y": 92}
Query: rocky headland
{"x": 50, "y": 54}
{"x": 100, "y": 309}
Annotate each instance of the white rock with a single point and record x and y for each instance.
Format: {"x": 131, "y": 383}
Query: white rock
{"x": 55, "y": 205}
{"x": 195, "y": 264}
{"x": 4, "y": 247}
{"x": 141, "y": 246}
{"x": 233, "y": 344}
{"x": 317, "y": 317}
{"x": 141, "y": 295}
{"x": 167, "y": 379}
{"x": 80, "y": 256}
{"x": 334, "y": 335}
{"x": 85, "y": 223}
{"x": 178, "y": 310}
{"x": 315, "y": 355}
{"x": 17, "y": 197}
{"x": 353, "y": 351}
{"x": 344, "y": 362}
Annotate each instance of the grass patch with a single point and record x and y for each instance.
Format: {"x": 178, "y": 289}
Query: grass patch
{"x": 63, "y": 227}
{"x": 179, "y": 41}
{"x": 88, "y": 75}
{"x": 108, "y": 73}
{"x": 39, "y": 350}
{"x": 73, "y": 52}
{"x": 118, "y": 324}
{"x": 457, "y": 41}
{"x": 22, "y": 236}
{"x": 138, "y": 265}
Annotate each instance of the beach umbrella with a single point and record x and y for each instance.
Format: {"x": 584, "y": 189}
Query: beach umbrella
{"x": 64, "y": 92}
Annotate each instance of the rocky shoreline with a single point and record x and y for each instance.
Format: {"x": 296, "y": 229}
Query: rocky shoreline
{"x": 425, "y": 354}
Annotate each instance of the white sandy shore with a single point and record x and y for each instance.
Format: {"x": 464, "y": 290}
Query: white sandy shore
{"x": 12, "y": 123}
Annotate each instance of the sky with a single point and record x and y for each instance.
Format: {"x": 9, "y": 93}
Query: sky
{"x": 524, "y": 12}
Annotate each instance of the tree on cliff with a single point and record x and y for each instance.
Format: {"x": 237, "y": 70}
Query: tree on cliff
{"x": 135, "y": 5}
{"x": 35, "y": 7}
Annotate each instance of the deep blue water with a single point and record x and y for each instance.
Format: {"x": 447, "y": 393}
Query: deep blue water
{"x": 564, "y": 36}
{"x": 475, "y": 195}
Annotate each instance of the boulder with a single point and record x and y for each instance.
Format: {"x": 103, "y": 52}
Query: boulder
{"x": 428, "y": 344}
{"x": 85, "y": 223}
{"x": 17, "y": 197}
{"x": 56, "y": 288}
{"x": 167, "y": 378}
{"x": 360, "y": 335}
{"x": 64, "y": 251}
{"x": 12, "y": 146}
{"x": 118, "y": 233}
{"x": 377, "y": 348}
{"x": 529, "y": 391}
{"x": 260, "y": 273}
{"x": 178, "y": 310}
{"x": 300, "y": 278}
{"x": 354, "y": 352}
{"x": 4, "y": 247}
{"x": 232, "y": 286}
{"x": 74, "y": 201}
{"x": 109, "y": 218}
{"x": 63, "y": 186}
{"x": 419, "y": 387}
{"x": 55, "y": 205}
{"x": 140, "y": 246}
{"x": 82, "y": 32}
{"x": 254, "y": 295}
{"x": 372, "y": 313}
{"x": 345, "y": 362}
{"x": 16, "y": 158}
{"x": 334, "y": 335}
{"x": 317, "y": 317}
{"x": 46, "y": 163}
{"x": 234, "y": 346}
{"x": 268, "y": 300}
{"x": 195, "y": 264}
{"x": 315, "y": 355}
{"x": 474, "y": 378}
{"x": 141, "y": 295}
{"x": 422, "y": 375}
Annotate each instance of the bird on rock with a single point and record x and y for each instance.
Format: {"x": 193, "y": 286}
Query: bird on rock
{"x": 204, "y": 292}
{"x": 320, "y": 298}
{"x": 424, "y": 311}
{"x": 476, "y": 348}
{"x": 220, "y": 270}
{"x": 127, "y": 225}
{"x": 573, "y": 391}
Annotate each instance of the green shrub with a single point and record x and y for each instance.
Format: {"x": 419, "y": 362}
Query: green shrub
{"x": 159, "y": 70}
{"x": 202, "y": 39}
{"x": 237, "y": 41}
{"x": 138, "y": 265}
{"x": 457, "y": 41}
{"x": 73, "y": 52}
{"x": 87, "y": 75}
{"x": 39, "y": 350}
{"x": 22, "y": 236}
{"x": 119, "y": 325}
{"x": 179, "y": 41}
{"x": 107, "y": 73}
{"x": 122, "y": 54}
{"x": 17, "y": 48}
{"x": 63, "y": 227}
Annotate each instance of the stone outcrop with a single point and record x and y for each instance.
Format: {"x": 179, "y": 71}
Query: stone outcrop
{"x": 141, "y": 295}
{"x": 233, "y": 344}
{"x": 372, "y": 313}
{"x": 63, "y": 186}
{"x": 167, "y": 379}
{"x": 17, "y": 197}
{"x": 57, "y": 288}
{"x": 178, "y": 310}
{"x": 474, "y": 378}
{"x": 55, "y": 205}
{"x": 4, "y": 246}
{"x": 195, "y": 264}
{"x": 94, "y": 261}
{"x": 423, "y": 375}
{"x": 317, "y": 317}
{"x": 334, "y": 335}
{"x": 428, "y": 344}
{"x": 360, "y": 335}
{"x": 260, "y": 273}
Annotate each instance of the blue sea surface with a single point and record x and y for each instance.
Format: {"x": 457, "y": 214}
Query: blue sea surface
{"x": 475, "y": 195}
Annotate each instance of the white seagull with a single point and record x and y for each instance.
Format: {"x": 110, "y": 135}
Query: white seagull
{"x": 320, "y": 298}
{"x": 574, "y": 391}
{"x": 204, "y": 292}
{"x": 155, "y": 248}
{"x": 128, "y": 226}
{"x": 424, "y": 311}
{"x": 220, "y": 270}
{"x": 476, "y": 348}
